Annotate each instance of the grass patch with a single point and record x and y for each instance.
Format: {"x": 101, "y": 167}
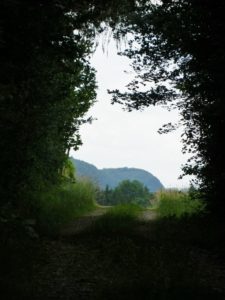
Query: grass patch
{"x": 60, "y": 205}
{"x": 118, "y": 218}
{"x": 177, "y": 204}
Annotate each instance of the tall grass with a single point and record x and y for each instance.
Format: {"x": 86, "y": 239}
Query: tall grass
{"x": 119, "y": 218}
{"x": 62, "y": 204}
{"x": 174, "y": 203}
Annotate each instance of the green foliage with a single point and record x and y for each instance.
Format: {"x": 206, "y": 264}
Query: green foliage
{"x": 175, "y": 56}
{"x": 131, "y": 192}
{"x": 127, "y": 192}
{"x": 69, "y": 171}
{"x": 173, "y": 203}
{"x": 125, "y": 211}
{"x": 60, "y": 205}
{"x": 119, "y": 218}
{"x": 47, "y": 85}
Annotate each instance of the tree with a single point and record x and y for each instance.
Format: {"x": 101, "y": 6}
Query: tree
{"x": 130, "y": 192}
{"x": 179, "y": 46}
{"x": 47, "y": 85}
{"x": 69, "y": 171}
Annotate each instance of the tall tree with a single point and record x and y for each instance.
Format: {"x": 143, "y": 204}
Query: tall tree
{"x": 131, "y": 192}
{"x": 179, "y": 46}
{"x": 47, "y": 85}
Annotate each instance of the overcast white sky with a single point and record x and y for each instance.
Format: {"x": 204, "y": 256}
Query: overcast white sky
{"x": 129, "y": 139}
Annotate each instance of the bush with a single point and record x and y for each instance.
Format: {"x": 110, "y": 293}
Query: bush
{"x": 126, "y": 192}
{"x": 61, "y": 205}
{"x": 118, "y": 218}
{"x": 177, "y": 204}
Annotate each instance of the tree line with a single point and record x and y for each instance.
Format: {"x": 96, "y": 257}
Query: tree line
{"x": 47, "y": 84}
{"x": 126, "y": 192}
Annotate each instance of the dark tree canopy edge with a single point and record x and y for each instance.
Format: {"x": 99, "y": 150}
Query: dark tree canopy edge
{"x": 47, "y": 84}
{"x": 181, "y": 50}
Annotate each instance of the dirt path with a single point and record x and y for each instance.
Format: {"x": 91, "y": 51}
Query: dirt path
{"x": 148, "y": 215}
{"x": 76, "y": 266}
{"x": 84, "y": 222}
{"x": 135, "y": 265}
{"x": 81, "y": 224}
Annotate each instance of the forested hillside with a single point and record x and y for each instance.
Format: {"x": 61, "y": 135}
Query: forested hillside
{"x": 111, "y": 177}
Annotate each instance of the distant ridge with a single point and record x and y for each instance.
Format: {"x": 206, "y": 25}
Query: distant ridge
{"x": 112, "y": 176}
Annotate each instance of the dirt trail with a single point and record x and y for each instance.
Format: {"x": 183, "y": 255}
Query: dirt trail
{"x": 82, "y": 223}
{"x": 86, "y": 221}
{"x": 148, "y": 215}
{"x": 92, "y": 267}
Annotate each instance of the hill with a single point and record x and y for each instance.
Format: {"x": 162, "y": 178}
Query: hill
{"x": 112, "y": 176}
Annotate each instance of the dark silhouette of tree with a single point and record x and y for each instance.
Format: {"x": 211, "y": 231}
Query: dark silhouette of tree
{"x": 179, "y": 46}
{"x": 47, "y": 85}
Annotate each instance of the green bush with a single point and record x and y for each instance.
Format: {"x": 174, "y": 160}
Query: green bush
{"x": 118, "y": 218}
{"x": 177, "y": 204}
{"x": 61, "y": 205}
{"x": 126, "y": 192}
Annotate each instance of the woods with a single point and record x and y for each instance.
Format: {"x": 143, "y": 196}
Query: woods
{"x": 47, "y": 86}
{"x": 179, "y": 46}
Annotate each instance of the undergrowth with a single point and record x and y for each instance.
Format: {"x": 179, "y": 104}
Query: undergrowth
{"x": 62, "y": 204}
{"x": 118, "y": 218}
{"x": 173, "y": 203}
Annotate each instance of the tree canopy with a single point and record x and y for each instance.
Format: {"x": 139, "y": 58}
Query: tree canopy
{"x": 179, "y": 46}
{"x": 47, "y": 83}
{"x": 126, "y": 192}
{"x": 47, "y": 86}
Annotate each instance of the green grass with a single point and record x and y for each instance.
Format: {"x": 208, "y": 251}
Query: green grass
{"x": 177, "y": 204}
{"x": 60, "y": 205}
{"x": 118, "y": 218}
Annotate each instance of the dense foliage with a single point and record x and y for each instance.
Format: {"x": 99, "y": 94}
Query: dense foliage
{"x": 60, "y": 205}
{"x": 47, "y": 86}
{"x": 127, "y": 192}
{"x": 179, "y": 46}
{"x": 119, "y": 218}
{"x": 178, "y": 204}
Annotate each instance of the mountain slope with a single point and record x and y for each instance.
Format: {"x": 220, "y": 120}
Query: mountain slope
{"x": 112, "y": 176}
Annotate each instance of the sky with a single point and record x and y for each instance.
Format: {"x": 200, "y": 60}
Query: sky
{"x": 129, "y": 139}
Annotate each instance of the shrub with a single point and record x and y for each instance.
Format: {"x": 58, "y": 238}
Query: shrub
{"x": 62, "y": 204}
{"x": 118, "y": 218}
{"x": 174, "y": 203}
{"x": 126, "y": 192}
